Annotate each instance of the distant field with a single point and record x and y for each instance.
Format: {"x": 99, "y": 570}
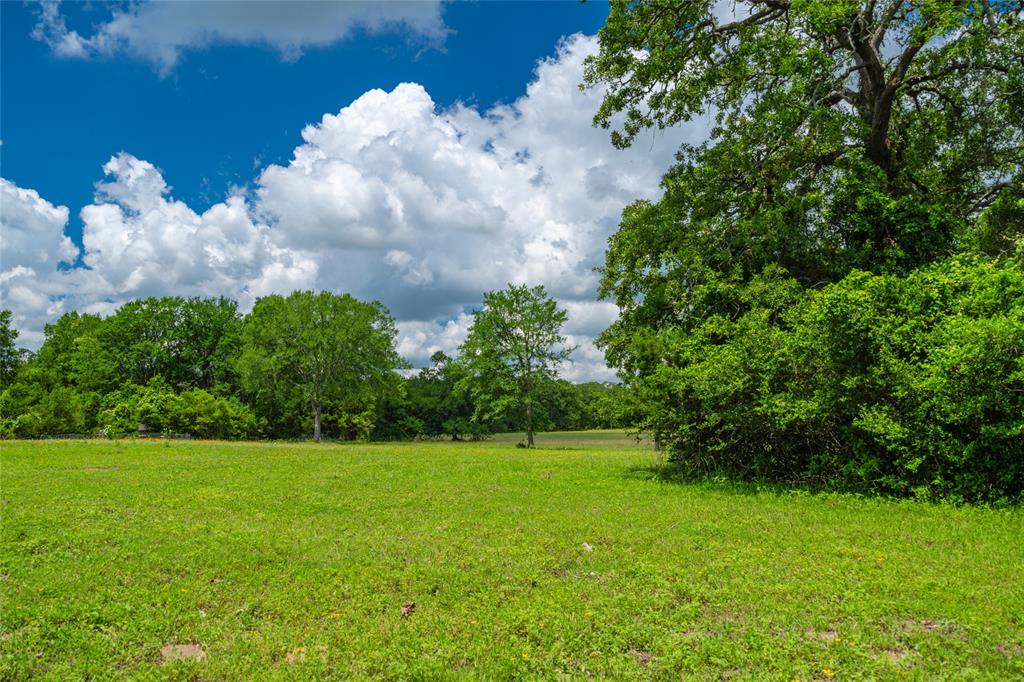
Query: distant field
{"x": 577, "y": 439}
{"x": 294, "y": 561}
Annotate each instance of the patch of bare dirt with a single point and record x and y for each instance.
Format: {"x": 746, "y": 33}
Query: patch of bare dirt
{"x": 408, "y": 608}
{"x": 643, "y": 658}
{"x": 947, "y": 628}
{"x": 829, "y": 635}
{"x": 1011, "y": 650}
{"x": 182, "y": 652}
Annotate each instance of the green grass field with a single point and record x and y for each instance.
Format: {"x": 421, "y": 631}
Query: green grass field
{"x": 294, "y": 561}
{"x": 597, "y": 439}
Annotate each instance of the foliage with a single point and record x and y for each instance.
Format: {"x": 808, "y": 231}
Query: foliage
{"x": 564, "y": 406}
{"x": 170, "y": 354}
{"x": 853, "y": 134}
{"x": 851, "y": 140}
{"x": 825, "y": 157}
{"x": 438, "y": 404}
{"x": 174, "y": 365}
{"x": 904, "y": 384}
{"x": 72, "y": 355}
{"x": 320, "y": 350}
{"x": 10, "y": 355}
{"x": 28, "y": 411}
{"x": 219, "y": 544}
{"x": 156, "y": 408}
{"x": 513, "y": 346}
{"x": 190, "y": 343}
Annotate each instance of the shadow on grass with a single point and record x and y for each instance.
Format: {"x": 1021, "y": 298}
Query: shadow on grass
{"x": 675, "y": 474}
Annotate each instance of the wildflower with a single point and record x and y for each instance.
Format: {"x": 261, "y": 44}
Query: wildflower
{"x": 828, "y": 672}
{"x": 590, "y": 613}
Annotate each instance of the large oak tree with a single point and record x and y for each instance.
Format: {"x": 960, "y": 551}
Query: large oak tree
{"x": 849, "y": 134}
{"x": 844, "y": 135}
{"x": 871, "y": 134}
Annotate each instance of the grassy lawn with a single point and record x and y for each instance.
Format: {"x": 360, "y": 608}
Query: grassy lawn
{"x": 294, "y": 561}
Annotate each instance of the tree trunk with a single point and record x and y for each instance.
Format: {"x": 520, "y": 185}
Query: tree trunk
{"x": 529, "y": 423}
{"x": 316, "y": 421}
{"x": 878, "y": 151}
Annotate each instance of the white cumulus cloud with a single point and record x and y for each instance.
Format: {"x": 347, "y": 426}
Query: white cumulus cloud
{"x": 139, "y": 241}
{"x": 32, "y": 230}
{"x": 33, "y": 247}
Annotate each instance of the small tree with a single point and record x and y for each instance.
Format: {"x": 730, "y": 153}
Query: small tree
{"x": 318, "y": 347}
{"x": 513, "y": 346}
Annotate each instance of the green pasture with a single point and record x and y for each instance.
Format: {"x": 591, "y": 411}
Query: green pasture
{"x": 205, "y": 560}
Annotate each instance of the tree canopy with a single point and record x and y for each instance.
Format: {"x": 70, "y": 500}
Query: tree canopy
{"x": 872, "y": 134}
{"x": 10, "y": 355}
{"x": 319, "y": 348}
{"x": 199, "y": 367}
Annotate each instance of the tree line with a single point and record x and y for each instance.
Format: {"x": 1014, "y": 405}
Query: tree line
{"x": 310, "y": 364}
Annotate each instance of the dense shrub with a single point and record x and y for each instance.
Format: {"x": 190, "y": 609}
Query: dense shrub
{"x": 905, "y": 384}
{"x": 158, "y": 409}
{"x": 28, "y": 411}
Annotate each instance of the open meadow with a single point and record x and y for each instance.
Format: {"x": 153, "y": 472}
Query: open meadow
{"x": 481, "y": 560}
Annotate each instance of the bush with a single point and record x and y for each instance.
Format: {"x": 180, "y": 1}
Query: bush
{"x": 912, "y": 385}
{"x": 29, "y": 411}
{"x": 157, "y": 407}
{"x": 207, "y": 416}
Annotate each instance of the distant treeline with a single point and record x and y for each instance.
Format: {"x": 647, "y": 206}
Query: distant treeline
{"x": 198, "y": 366}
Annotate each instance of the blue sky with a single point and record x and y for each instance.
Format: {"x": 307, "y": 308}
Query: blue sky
{"x": 419, "y": 154}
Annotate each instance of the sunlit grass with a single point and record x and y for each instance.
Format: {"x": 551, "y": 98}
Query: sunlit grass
{"x": 295, "y": 561}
